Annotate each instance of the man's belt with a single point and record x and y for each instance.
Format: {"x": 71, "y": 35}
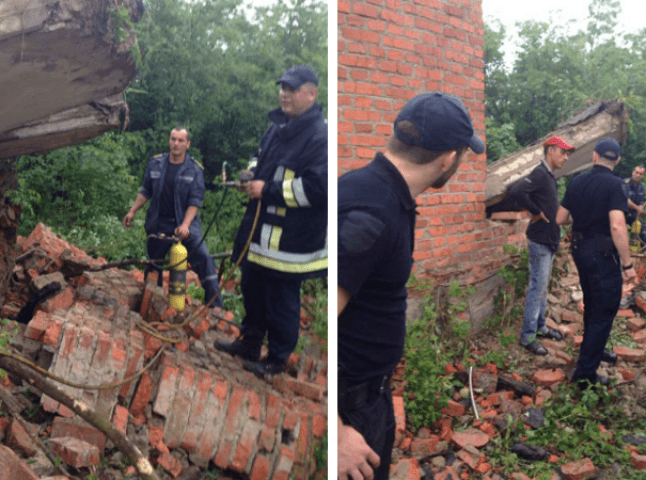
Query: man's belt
{"x": 351, "y": 397}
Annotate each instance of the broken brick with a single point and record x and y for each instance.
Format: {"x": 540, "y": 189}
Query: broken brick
{"x": 75, "y": 452}
{"x": 470, "y": 436}
{"x": 548, "y": 378}
{"x": 579, "y": 470}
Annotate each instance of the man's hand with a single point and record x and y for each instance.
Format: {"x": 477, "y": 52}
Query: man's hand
{"x": 539, "y": 217}
{"x": 127, "y": 220}
{"x": 356, "y": 460}
{"x": 253, "y": 188}
{"x": 629, "y": 275}
{"x": 182, "y": 231}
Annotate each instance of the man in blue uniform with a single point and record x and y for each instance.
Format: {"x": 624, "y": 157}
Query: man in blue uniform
{"x": 376, "y": 224}
{"x": 289, "y": 243}
{"x": 595, "y": 203}
{"x": 634, "y": 190}
{"x": 538, "y": 194}
{"x": 174, "y": 184}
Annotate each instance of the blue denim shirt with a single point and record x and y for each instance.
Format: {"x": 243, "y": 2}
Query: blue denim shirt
{"x": 189, "y": 191}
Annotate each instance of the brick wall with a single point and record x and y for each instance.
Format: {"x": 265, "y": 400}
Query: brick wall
{"x": 388, "y": 52}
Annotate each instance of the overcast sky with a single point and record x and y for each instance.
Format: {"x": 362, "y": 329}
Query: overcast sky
{"x": 631, "y": 20}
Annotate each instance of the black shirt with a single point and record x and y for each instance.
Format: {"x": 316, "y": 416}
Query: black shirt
{"x": 376, "y": 223}
{"x": 590, "y": 197}
{"x": 167, "y": 200}
{"x": 538, "y": 193}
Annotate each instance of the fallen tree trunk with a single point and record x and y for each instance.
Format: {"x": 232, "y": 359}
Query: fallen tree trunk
{"x": 583, "y": 131}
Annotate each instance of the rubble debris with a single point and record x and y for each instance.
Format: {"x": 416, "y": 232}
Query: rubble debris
{"x": 195, "y": 406}
{"x": 456, "y": 445}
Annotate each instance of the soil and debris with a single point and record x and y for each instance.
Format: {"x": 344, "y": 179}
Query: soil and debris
{"x": 195, "y": 410}
{"x": 459, "y": 445}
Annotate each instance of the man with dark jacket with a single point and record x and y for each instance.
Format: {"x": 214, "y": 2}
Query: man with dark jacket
{"x": 289, "y": 243}
{"x": 376, "y": 236}
{"x": 634, "y": 190}
{"x": 174, "y": 184}
{"x": 595, "y": 203}
{"x": 538, "y": 194}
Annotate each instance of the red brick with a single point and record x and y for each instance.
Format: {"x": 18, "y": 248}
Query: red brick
{"x": 13, "y": 467}
{"x": 170, "y": 464}
{"x": 635, "y": 324}
{"x": 53, "y": 332}
{"x": 549, "y": 377}
{"x": 18, "y": 439}
{"x": 470, "y": 436}
{"x": 166, "y": 391}
{"x": 630, "y": 354}
{"x": 454, "y": 409}
{"x": 77, "y": 428}
{"x": 579, "y": 470}
{"x": 638, "y": 461}
{"x": 319, "y": 425}
{"x": 406, "y": 469}
{"x": 120, "y": 418}
{"x": 261, "y": 468}
{"x": 274, "y": 411}
{"x": 143, "y": 395}
{"x": 75, "y": 452}
{"x": 37, "y": 327}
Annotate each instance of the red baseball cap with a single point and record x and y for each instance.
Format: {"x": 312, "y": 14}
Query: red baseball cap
{"x": 558, "y": 142}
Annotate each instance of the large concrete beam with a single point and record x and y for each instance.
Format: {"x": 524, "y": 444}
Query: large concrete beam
{"x": 605, "y": 119}
{"x": 61, "y": 71}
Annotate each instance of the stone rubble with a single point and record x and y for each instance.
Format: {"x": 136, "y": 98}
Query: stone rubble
{"x": 194, "y": 407}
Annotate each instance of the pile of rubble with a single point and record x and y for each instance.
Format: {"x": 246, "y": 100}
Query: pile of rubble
{"x": 456, "y": 446}
{"x": 193, "y": 408}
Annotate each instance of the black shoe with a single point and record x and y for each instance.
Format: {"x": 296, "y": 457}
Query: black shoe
{"x": 609, "y": 356}
{"x": 240, "y": 348}
{"x": 551, "y": 334}
{"x": 536, "y": 348}
{"x": 265, "y": 367}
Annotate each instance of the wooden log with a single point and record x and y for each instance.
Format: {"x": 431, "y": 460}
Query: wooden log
{"x": 583, "y": 131}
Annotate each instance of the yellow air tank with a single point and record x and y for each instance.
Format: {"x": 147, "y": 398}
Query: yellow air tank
{"x": 177, "y": 277}
{"x": 635, "y": 235}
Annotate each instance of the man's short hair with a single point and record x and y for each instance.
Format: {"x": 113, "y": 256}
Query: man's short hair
{"x": 413, "y": 153}
{"x": 179, "y": 129}
{"x": 639, "y": 166}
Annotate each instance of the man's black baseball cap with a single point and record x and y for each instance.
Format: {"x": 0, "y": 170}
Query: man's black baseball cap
{"x": 608, "y": 148}
{"x": 443, "y": 122}
{"x": 298, "y": 75}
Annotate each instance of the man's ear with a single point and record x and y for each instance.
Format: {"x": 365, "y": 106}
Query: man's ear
{"x": 447, "y": 160}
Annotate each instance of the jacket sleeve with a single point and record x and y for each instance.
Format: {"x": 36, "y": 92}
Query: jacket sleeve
{"x": 196, "y": 193}
{"x": 147, "y": 186}
{"x": 306, "y": 188}
{"x": 521, "y": 191}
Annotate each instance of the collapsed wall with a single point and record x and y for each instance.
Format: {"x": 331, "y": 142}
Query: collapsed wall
{"x": 193, "y": 407}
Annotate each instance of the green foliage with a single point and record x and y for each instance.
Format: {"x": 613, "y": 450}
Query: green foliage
{"x": 559, "y": 71}
{"x": 427, "y": 391}
{"x": 320, "y": 455}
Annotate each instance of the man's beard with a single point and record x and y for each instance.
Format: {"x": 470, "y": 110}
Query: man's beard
{"x": 441, "y": 181}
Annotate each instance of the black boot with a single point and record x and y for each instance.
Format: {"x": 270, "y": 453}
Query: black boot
{"x": 609, "y": 356}
{"x": 248, "y": 350}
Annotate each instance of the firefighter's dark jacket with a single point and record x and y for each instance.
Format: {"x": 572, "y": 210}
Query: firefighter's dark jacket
{"x": 189, "y": 191}
{"x": 291, "y": 234}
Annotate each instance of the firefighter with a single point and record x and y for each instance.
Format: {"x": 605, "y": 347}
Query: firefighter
{"x": 290, "y": 241}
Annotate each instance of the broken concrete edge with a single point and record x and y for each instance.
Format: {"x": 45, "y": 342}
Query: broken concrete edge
{"x": 582, "y": 131}
{"x": 196, "y": 401}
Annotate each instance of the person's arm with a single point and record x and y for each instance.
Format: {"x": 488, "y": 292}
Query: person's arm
{"x": 183, "y": 230}
{"x": 619, "y": 235}
{"x": 563, "y": 216}
{"x": 140, "y": 201}
{"x": 638, "y": 208}
{"x": 521, "y": 192}
{"x": 355, "y": 457}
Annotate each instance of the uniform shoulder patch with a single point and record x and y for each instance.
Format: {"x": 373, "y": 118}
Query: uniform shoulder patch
{"x": 199, "y": 164}
{"x": 157, "y": 156}
{"x": 359, "y": 231}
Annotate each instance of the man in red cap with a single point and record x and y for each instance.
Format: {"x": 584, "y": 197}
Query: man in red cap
{"x": 538, "y": 194}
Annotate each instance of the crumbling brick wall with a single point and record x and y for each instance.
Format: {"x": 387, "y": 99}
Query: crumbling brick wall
{"x": 388, "y": 52}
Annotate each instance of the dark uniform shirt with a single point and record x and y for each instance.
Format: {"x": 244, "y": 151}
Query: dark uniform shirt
{"x": 590, "y": 197}
{"x": 376, "y": 223}
{"x": 538, "y": 193}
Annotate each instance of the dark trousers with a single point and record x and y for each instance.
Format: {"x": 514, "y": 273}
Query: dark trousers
{"x": 601, "y": 281}
{"x": 375, "y": 420}
{"x": 198, "y": 256}
{"x": 273, "y": 308}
